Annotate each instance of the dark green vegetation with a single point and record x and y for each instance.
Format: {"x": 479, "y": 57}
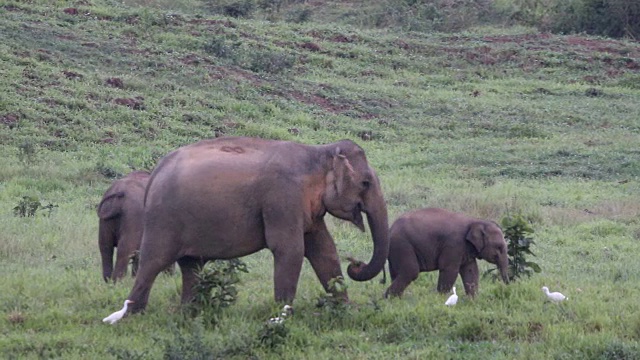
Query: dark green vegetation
{"x": 487, "y": 121}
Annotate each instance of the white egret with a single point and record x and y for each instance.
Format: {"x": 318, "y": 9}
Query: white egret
{"x": 556, "y": 297}
{"x": 453, "y": 299}
{"x": 287, "y": 310}
{"x": 113, "y": 318}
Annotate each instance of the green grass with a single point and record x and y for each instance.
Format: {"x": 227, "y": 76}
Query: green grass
{"x": 488, "y": 122}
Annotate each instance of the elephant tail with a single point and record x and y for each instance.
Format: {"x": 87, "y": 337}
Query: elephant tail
{"x": 384, "y": 276}
{"x": 109, "y": 207}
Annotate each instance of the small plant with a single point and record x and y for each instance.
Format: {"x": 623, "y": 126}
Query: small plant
{"x": 29, "y": 205}
{"x": 517, "y": 233}
{"x": 333, "y": 300}
{"x": 272, "y": 62}
{"x": 192, "y": 346}
{"x": 107, "y": 171}
{"x": 127, "y": 354}
{"x": 233, "y": 8}
{"x": 274, "y": 332}
{"x": 216, "y": 286}
{"x": 27, "y": 152}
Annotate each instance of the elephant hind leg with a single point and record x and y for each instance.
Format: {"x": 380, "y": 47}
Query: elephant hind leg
{"x": 145, "y": 277}
{"x": 402, "y": 275}
{"x": 188, "y": 266}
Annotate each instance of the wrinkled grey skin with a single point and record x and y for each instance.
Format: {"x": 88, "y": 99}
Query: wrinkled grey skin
{"x": 120, "y": 225}
{"x": 232, "y": 196}
{"x": 437, "y": 239}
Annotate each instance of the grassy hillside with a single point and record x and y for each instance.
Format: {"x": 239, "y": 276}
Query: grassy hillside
{"x": 488, "y": 122}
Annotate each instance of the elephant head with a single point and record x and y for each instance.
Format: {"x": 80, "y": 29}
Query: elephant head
{"x": 352, "y": 187}
{"x": 488, "y": 241}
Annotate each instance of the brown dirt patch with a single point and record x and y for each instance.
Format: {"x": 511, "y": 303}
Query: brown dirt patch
{"x": 72, "y": 75}
{"x": 115, "y": 82}
{"x": 10, "y": 120}
{"x": 133, "y": 103}
{"x": 310, "y": 46}
{"x": 313, "y": 99}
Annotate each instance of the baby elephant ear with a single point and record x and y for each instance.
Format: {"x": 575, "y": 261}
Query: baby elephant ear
{"x": 476, "y": 236}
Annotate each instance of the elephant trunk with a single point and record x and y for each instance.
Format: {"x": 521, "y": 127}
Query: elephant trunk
{"x": 106, "y": 242}
{"x": 503, "y": 267}
{"x": 376, "y": 211}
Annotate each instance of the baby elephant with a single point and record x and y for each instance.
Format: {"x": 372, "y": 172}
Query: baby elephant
{"x": 121, "y": 222}
{"x": 437, "y": 239}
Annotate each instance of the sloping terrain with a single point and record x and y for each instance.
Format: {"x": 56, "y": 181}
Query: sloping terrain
{"x": 491, "y": 122}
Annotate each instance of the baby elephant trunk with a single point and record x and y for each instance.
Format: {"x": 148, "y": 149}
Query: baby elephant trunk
{"x": 503, "y": 267}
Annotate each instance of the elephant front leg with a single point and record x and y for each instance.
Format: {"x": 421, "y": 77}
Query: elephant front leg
{"x": 287, "y": 266}
{"x": 320, "y": 250}
{"x": 470, "y": 277}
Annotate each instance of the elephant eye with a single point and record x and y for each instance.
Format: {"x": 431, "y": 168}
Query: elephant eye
{"x": 366, "y": 184}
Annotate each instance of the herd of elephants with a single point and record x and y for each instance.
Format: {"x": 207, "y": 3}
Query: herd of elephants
{"x": 228, "y": 197}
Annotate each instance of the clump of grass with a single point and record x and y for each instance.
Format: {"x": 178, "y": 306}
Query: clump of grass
{"x": 274, "y": 332}
{"x": 191, "y": 346}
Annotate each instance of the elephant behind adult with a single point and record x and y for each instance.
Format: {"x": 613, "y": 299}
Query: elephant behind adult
{"x": 232, "y": 196}
{"x": 437, "y": 239}
{"x": 120, "y": 225}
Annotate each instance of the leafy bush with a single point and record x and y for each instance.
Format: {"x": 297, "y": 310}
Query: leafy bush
{"x": 233, "y": 8}
{"x": 29, "y": 205}
{"x": 333, "y": 300}
{"x": 273, "y": 333}
{"x": 437, "y": 15}
{"x": 614, "y": 18}
{"x": 517, "y": 233}
{"x": 216, "y": 286}
{"x": 271, "y": 62}
{"x": 27, "y": 152}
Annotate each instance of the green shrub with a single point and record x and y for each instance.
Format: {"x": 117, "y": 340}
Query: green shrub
{"x": 333, "y": 300}
{"x": 517, "y": 233}
{"x": 216, "y": 286}
{"x": 29, "y": 205}
{"x": 27, "y": 152}
{"x": 233, "y": 8}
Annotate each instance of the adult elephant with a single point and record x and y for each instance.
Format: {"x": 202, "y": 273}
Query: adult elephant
{"x": 437, "y": 239}
{"x": 120, "y": 224}
{"x": 232, "y": 196}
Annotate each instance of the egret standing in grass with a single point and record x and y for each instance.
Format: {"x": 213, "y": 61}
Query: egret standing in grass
{"x": 556, "y": 297}
{"x": 453, "y": 299}
{"x": 116, "y": 316}
{"x": 287, "y": 310}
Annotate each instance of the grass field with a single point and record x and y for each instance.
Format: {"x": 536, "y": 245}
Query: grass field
{"x": 489, "y": 121}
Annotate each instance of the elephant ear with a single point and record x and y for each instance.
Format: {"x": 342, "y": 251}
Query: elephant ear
{"x": 111, "y": 206}
{"x": 476, "y": 236}
{"x": 343, "y": 172}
